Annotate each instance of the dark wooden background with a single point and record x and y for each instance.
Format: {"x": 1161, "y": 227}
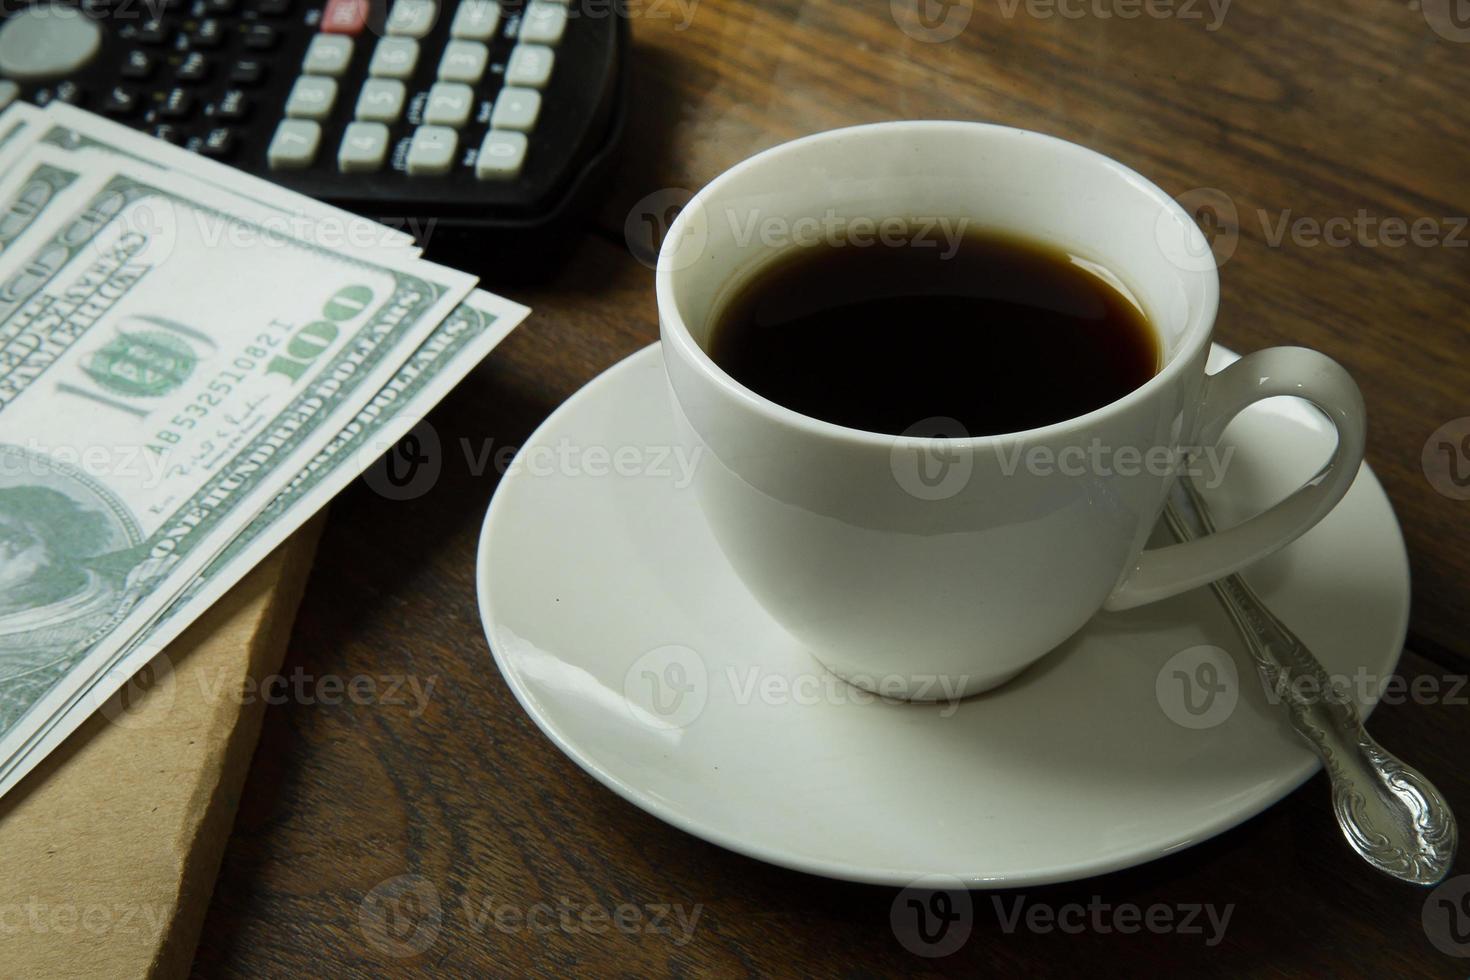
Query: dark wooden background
{"x": 1315, "y": 109}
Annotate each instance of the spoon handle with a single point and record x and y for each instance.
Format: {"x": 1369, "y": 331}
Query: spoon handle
{"x": 1390, "y": 814}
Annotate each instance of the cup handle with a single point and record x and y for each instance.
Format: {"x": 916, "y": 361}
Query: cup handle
{"x": 1163, "y": 572}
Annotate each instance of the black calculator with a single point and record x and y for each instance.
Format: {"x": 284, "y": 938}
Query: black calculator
{"x": 482, "y": 127}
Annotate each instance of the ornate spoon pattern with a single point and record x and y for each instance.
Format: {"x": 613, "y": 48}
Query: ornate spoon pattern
{"x": 1390, "y": 814}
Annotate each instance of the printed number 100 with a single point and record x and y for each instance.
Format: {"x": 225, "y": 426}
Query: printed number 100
{"x": 308, "y": 343}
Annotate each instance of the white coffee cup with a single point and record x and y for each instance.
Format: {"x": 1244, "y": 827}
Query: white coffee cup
{"x": 910, "y": 565}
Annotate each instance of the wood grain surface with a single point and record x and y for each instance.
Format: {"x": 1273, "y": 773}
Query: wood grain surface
{"x": 1293, "y": 114}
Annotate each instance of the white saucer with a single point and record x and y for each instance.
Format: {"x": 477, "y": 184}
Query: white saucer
{"x": 627, "y": 637}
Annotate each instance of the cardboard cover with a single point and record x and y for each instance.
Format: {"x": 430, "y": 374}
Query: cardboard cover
{"x": 112, "y": 843}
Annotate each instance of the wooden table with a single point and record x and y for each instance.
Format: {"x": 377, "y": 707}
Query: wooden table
{"x": 1302, "y": 113}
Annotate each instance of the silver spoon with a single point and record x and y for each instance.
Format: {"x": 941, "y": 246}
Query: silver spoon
{"x": 1390, "y": 814}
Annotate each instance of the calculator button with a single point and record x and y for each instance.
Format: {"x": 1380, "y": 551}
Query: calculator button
{"x": 311, "y": 97}
{"x": 501, "y": 155}
{"x": 543, "y": 22}
{"x": 45, "y": 97}
{"x": 273, "y": 8}
{"x": 463, "y": 61}
{"x": 475, "y": 20}
{"x": 345, "y": 17}
{"x": 177, "y": 103}
{"x": 364, "y": 148}
{"x": 294, "y": 145}
{"x": 152, "y": 32}
{"x": 46, "y": 41}
{"x": 381, "y": 100}
{"x": 120, "y": 101}
{"x": 449, "y": 104}
{"x": 194, "y": 68}
{"x": 261, "y": 37}
{"x": 247, "y": 71}
{"x": 213, "y": 7}
{"x": 412, "y": 18}
{"x": 137, "y": 64}
{"x": 217, "y": 143}
{"x": 394, "y": 57}
{"x": 169, "y": 133}
{"x": 516, "y": 108}
{"x": 232, "y": 105}
{"x": 529, "y": 65}
{"x": 432, "y": 151}
{"x": 209, "y": 34}
{"x": 67, "y": 92}
{"x": 328, "y": 54}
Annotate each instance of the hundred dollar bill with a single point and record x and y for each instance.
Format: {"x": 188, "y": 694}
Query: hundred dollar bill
{"x": 455, "y": 347}
{"x": 157, "y": 390}
{"x": 46, "y": 184}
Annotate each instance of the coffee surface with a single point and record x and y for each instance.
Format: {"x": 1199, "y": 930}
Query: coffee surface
{"x": 992, "y": 332}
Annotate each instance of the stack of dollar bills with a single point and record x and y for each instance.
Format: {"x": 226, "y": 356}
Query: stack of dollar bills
{"x": 193, "y": 361}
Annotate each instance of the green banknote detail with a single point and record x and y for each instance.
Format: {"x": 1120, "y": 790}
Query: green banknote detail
{"x": 458, "y": 330}
{"x": 143, "y": 363}
{"x": 16, "y": 125}
{"x": 446, "y": 354}
{"x": 30, "y": 201}
{"x": 153, "y": 367}
{"x": 62, "y": 533}
{"x": 65, "y": 593}
{"x": 21, "y": 211}
{"x": 46, "y": 263}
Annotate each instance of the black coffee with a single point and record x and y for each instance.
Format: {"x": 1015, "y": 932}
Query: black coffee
{"x": 998, "y": 333}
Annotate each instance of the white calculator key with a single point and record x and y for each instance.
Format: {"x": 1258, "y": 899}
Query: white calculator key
{"x": 9, "y": 92}
{"x": 394, "y": 57}
{"x": 411, "y": 18}
{"x": 501, "y": 155}
{"x": 543, "y": 22}
{"x": 449, "y": 104}
{"x": 432, "y": 150}
{"x": 381, "y": 100}
{"x": 529, "y": 65}
{"x": 311, "y": 97}
{"x": 475, "y": 20}
{"x": 463, "y": 61}
{"x": 516, "y": 108}
{"x": 294, "y": 144}
{"x": 328, "y": 54}
{"x": 364, "y": 148}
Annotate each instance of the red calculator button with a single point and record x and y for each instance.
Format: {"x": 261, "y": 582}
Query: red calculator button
{"x": 345, "y": 16}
